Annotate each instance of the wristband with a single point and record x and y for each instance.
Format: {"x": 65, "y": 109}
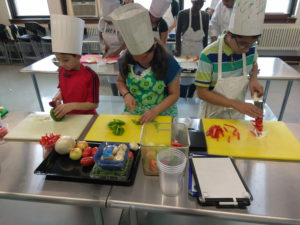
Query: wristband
{"x": 126, "y": 94}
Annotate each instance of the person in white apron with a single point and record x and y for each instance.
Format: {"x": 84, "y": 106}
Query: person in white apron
{"x": 227, "y": 99}
{"x": 192, "y": 42}
{"x": 111, "y": 40}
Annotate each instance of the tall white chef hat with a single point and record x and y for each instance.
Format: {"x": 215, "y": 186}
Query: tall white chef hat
{"x": 108, "y": 6}
{"x": 247, "y": 17}
{"x": 66, "y": 34}
{"x": 133, "y": 22}
{"x": 159, "y": 7}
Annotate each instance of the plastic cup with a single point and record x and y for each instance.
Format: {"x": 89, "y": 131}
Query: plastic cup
{"x": 101, "y": 63}
{"x": 171, "y": 164}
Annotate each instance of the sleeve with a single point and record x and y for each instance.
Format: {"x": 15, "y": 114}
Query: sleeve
{"x": 179, "y": 31}
{"x": 213, "y": 4}
{"x": 101, "y": 25}
{"x": 204, "y": 71}
{"x": 163, "y": 26}
{"x": 205, "y": 22}
{"x": 214, "y": 22}
{"x": 174, "y": 69}
{"x": 93, "y": 86}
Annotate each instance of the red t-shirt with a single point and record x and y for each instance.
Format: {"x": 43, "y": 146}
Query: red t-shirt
{"x": 79, "y": 86}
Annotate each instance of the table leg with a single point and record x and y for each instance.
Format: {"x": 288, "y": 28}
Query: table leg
{"x": 285, "y": 99}
{"x": 36, "y": 87}
{"x": 133, "y": 216}
{"x": 98, "y": 216}
{"x": 266, "y": 90}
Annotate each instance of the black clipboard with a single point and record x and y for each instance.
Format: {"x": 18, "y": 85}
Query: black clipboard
{"x": 219, "y": 182}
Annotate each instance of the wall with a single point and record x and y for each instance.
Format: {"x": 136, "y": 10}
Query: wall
{"x": 4, "y": 16}
{"x": 298, "y": 13}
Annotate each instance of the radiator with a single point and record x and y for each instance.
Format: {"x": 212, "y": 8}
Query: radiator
{"x": 280, "y": 37}
{"x": 92, "y": 29}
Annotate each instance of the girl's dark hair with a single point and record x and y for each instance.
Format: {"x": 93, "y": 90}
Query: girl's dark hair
{"x": 159, "y": 63}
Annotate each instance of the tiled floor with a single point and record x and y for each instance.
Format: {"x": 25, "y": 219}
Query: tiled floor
{"x": 17, "y": 93}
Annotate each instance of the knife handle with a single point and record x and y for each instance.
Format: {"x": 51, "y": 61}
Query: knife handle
{"x": 255, "y": 98}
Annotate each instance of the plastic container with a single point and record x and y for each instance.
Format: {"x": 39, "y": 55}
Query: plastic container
{"x": 171, "y": 164}
{"x": 155, "y": 140}
{"x": 110, "y": 164}
{"x": 112, "y": 175}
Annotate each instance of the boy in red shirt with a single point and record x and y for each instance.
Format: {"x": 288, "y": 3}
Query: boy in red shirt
{"x": 78, "y": 84}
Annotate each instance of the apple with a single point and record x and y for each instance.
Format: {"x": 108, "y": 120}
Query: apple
{"x": 82, "y": 145}
{"x": 75, "y": 153}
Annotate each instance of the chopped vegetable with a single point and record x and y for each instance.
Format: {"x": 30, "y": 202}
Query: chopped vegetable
{"x": 49, "y": 139}
{"x": 176, "y": 144}
{"x": 136, "y": 122}
{"x": 258, "y": 126}
{"x": 215, "y": 131}
{"x": 116, "y": 126}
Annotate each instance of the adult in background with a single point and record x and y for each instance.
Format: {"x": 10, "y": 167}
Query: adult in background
{"x": 110, "y": 38}
{"x": 191, "y": 38}
{"x": 159, "y": 25}
{"x": 222, "y": 76}
{"x": 220, "y": 19}
{"x": 210, "y": 10}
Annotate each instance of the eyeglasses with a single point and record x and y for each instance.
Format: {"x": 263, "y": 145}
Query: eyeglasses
{"x": 243, "y": 47}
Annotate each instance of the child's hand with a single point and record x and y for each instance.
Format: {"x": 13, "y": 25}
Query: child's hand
{"x": 57, "y": 97}
{"x": 129, "y": 102}
{"x": 62, "y": 109}
{"x": 148, "y": 116}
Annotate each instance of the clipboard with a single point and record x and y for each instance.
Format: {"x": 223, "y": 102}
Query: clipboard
{"x": 219, "y": 182}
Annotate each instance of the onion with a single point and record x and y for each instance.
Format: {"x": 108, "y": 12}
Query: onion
{"x": 64, "y": 144}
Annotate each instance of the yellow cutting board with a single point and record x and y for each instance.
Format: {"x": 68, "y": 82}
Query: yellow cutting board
{"x": 277, "y": 142}
{"x": 36, "y": 125}
{"x": 101, "y": 132}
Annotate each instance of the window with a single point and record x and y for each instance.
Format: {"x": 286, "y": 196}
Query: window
{"x": 285, "y": 6}
{"x": 29, "y": 8}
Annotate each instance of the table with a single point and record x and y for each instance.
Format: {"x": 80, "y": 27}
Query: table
{"x": 17, "y": 181}
{"x": 270, "y": 69}
{"x": 273, "y": 184}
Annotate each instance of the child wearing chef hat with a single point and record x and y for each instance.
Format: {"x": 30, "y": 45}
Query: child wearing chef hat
{"x": 149, "y": 77}
{"x": 78, "y": 84}
{"x": 222, "y": 76}
{"x": 159, "y": 25}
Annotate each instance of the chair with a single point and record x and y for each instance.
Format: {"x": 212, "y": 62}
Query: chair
{"x": 14, "y": 52}
{"x": 3, "y": 50}
{"x": 30, "y": 43}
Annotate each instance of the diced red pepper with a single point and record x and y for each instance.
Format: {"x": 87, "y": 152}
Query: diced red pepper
{"x": 176, "y": 144}
{"x": 228, "y": 139}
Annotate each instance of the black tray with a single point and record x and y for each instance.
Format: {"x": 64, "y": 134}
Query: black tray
{"x": 61, "y": 167}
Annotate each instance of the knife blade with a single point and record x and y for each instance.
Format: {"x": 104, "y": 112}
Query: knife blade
{"x": 258, "y": 102}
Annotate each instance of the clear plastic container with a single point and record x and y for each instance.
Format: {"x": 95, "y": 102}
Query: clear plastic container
{"x": 110, "y": 164}
{"x": 112, "y": 175}
{"x": 157, "y": 137}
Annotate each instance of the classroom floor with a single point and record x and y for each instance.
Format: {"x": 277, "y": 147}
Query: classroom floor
{"x": 17, "y": 94}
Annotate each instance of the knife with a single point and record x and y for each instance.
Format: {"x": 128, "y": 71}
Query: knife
{"x": 258, "y": 102}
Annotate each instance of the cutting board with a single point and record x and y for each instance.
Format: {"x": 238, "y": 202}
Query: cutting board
{"x": 277, "y": 142}
{"x": 36, "y": 125}
{"x": 100, "y": 132}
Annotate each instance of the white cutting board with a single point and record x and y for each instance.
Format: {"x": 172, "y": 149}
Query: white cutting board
{"x": 36, "y": 125}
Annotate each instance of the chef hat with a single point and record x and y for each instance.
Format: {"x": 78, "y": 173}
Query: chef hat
{"x": 247, "y": 17}
{"x": 108, "y": 6}
{"x": 67, "y": 34}
{"x": 133, "y": 22}
{"x": 159, "y": 7}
